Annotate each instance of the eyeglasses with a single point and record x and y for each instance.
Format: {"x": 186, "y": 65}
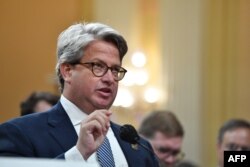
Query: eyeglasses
{"x": 100, "y": 69}
{"x": 169, "y": 152}
{"x": 236, "y": 147}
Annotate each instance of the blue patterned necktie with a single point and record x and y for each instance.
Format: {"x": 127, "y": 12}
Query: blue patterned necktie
{"x": 104, "y": 154}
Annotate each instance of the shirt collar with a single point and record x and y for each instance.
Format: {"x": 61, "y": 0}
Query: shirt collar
{"x": 75, "y": 114}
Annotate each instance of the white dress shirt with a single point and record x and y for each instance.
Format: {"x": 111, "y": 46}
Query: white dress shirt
{"x": 76, "y": 116}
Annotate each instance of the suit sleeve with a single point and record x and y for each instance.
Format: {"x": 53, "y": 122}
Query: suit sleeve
{"x": 13, "y": 142}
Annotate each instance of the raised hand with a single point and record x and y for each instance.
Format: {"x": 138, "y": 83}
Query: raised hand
{"x": 93, "y": 131}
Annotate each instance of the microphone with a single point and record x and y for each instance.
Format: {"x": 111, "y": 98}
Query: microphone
{"x": 130, "y": 135}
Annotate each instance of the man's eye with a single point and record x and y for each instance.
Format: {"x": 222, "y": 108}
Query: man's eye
{"x": 232, "y": 146}
{"x": 163, "y": 150}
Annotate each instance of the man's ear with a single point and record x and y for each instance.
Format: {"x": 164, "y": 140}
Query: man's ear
{"x": 218, "y": 147}
{"x": 66, "y": 71}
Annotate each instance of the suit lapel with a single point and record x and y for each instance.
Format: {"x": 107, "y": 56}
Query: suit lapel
{"x": 62, "y": 129}
{"x": 129, "y": 150}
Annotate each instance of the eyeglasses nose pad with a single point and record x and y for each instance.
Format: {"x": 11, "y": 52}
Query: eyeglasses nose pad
{"x": 108, "y": 74}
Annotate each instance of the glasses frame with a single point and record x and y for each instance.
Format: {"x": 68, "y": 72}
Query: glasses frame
{"x": 236, "y": 147}
{"x": 120, "y": 73}
{"x": 168, "y": 152}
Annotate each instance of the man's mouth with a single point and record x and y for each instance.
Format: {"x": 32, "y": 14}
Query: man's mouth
{"x": 105, "y": 91}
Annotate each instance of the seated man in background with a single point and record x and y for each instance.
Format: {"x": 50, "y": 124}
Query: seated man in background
{"x": 165, "y": 133}
{"x": 38, "y": 102}
{"x": 234, "y": 135}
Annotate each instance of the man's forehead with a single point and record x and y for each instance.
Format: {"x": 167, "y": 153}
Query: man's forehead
{"x": 239, "y": 135}
{"x": 163, "y": 140}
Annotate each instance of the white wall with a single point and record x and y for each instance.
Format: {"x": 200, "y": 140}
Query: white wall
{"x": 181, "y": 48}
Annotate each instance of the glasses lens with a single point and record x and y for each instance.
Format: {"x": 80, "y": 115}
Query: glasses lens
{"x": 100, "y": 69}
{"x": 235, "y": 147}
{"x": 119, "y": 74}
{"x": 180, "y": 156}
{"x": 175, "y": 153}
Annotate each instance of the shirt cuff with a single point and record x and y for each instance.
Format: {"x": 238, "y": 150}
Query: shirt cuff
{"x": 73, "y": 154}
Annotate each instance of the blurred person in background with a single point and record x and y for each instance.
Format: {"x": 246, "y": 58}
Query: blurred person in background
{"x": 165, "y": 133}
{"x": 38, "y": 102}
{"x": 234, "y": 135}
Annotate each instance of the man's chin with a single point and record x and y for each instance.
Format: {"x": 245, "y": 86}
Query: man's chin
{"x": 103, "y": 105}
{"x": 163, "y": 164}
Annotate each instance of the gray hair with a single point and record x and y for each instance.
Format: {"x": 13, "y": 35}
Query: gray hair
{"x": 72, "y": 42}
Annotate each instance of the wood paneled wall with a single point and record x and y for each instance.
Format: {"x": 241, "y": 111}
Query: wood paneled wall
{"x": 28, "y": 36}
{"x": 226, "y": 66}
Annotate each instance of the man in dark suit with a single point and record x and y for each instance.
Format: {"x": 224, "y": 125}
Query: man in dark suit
{"x": 77, "y": 128}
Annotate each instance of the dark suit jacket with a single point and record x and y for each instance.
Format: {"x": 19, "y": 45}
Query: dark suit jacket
{"x": 50, "y": 134}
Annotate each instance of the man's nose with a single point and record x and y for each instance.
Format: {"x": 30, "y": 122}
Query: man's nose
{"x": 108, "y": 76}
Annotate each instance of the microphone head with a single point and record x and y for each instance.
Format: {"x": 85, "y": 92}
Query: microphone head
{"x": 129, "y": 134}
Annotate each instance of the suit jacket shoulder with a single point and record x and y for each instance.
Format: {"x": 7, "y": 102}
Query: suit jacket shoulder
{"x": 38, "y": 135}
{"x": 50, "y": 134}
